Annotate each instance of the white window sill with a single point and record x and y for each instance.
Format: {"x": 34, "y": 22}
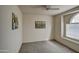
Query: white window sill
{"x": 72, "y": 40}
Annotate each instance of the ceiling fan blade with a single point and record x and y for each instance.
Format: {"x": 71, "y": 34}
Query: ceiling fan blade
{"x": 52, "y": 8}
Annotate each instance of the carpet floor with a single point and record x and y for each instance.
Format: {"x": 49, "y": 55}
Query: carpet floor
{"x": 44, "y": 47}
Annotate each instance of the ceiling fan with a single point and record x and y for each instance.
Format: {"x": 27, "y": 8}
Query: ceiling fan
{"x": 47, "y": 7}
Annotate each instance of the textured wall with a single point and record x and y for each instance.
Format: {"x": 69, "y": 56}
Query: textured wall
{"x": 10, "y": 40}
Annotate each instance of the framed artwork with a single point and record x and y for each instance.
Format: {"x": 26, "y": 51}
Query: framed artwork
{"x": 14, "y": 22}
{"x": 40, "y": 24}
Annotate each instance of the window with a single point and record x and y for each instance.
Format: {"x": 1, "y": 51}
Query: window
{"x": 72, "y": 29}
{"x": 75, "y": 19}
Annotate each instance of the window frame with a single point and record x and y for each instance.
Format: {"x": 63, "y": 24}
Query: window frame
{"x": 63, "y": 28}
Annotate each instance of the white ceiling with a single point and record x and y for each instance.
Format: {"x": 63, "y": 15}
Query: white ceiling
{"x": 41, "y": 9}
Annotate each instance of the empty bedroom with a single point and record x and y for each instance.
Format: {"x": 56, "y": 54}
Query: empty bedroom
{"x": 39, "y": 28}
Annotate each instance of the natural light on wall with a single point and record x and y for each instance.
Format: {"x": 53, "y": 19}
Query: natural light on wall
{"x": 72, "y": 29}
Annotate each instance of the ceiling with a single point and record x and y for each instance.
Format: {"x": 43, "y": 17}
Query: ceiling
{"x": 42, "y": 9}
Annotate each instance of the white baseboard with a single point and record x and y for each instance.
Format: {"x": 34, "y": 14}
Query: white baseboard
{"x": 35, "y": 41}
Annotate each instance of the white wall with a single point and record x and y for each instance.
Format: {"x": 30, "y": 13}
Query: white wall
{"x": 10, "y": 40}
{"x": 30, "y": 34}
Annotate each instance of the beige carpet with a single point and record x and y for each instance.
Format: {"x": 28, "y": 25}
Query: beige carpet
{"x": 44, "y": 47}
